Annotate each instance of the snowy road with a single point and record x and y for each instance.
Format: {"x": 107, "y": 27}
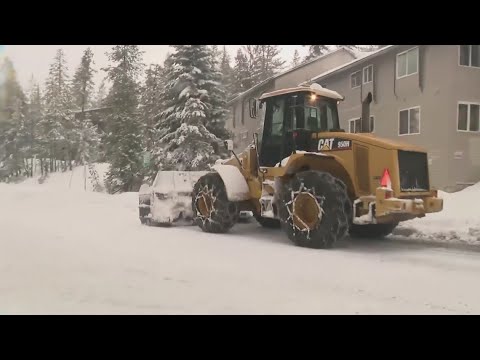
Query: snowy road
{"x": 79, "y": 253}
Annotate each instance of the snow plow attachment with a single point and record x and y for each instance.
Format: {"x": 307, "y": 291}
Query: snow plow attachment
{"x": 169, "y": 200}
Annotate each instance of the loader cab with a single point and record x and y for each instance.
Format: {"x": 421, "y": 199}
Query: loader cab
{"x": 290, "y": 120}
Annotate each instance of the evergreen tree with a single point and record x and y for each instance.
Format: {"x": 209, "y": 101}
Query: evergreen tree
{"x": 124, "y": 135}
{"x": 151, "y": 105}
{"x": 12, "y": 112}
{"x": 32, "y": 136}
{"x": 243, "y": 73}
{"x": 316, "y": 50}
{"x": 190, "y": 102}
{"x": 88, "y": 139}
{"x": 82, "y": 85}
{"x": 227, "y": 73}
{"x": 266, "y": 62}
{"x": 85, "y": 133}
{"x": 216, "y": 56}
{"x": 100, "y": 96}
{"x": 150, "y": 109}
{"x": 57, "y": 124}
{"x": 217, "y": 111}
{"x": 296, "y": 59}
{"x": 10, "y": 90}
{"x": 254, "y": 64}
{"x": 14, "y": 139}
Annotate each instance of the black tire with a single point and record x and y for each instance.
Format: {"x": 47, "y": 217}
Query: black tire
{"x": 373, "y": 231}
{"x": 268, "y": 222}
{"x": 212, "y": 211}
{"x": 143, "y": 221}
{"x": 325, "y": 193}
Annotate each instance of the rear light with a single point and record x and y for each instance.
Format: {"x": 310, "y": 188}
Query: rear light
{"x": 386, "y": 181}
{"x": 388, "y": 194}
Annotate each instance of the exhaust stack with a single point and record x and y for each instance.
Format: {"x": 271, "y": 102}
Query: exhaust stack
{"x": 365, "y": 119}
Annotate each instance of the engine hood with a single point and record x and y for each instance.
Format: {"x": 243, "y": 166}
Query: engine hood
{"x": 372, "y": 139}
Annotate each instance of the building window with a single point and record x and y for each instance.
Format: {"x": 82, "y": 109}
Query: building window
{"x": 368, "y": 74}
{"x": 354, "y": 125}
{"x": 468, "y": 117}
{"x": 409, "y": 121}
{"x": 470, "y": 55}
{"x": 356, "y": 79}
{"x": 407, "y": 63}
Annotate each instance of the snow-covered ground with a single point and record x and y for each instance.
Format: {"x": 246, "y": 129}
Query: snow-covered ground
{"x": 64, "y": 250}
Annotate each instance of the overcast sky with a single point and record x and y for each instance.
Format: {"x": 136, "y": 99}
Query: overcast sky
{"x": 35, "y": 59}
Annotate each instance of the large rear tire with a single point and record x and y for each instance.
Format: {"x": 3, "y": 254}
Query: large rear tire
{"x": 314, "y": 209}
{"x": 373, "y": 231}
{"x": 212, "y": 211}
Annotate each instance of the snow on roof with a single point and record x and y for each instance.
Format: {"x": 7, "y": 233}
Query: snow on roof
{"x": 259, "y": 85}
{"x": 363, "y": 55}
{"x": 315, "y": 88}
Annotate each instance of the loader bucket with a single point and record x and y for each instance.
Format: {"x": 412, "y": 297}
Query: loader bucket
{"x": 172, "y": 202}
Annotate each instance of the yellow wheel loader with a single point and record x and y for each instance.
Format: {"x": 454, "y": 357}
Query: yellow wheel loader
{"x": 306, "y": 175}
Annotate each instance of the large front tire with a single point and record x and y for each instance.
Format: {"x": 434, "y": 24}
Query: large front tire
{"x": 212, "y": 211}
{"x": 314, "y": 209}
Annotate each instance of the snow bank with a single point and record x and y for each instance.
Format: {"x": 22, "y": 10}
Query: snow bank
{"x": 459, "y": 221}
{"x": 72, "y": 180}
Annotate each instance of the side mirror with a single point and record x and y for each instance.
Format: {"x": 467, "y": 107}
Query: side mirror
{"x": 253, "y": 108}
{"x": 229, "y": 145}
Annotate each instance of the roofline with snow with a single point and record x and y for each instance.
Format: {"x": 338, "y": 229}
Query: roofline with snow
{"x": 351, "y": 64}
{"x": 264, "y": 82}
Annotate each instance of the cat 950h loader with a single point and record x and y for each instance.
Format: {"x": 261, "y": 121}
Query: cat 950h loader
{"x": 304, "y": 174}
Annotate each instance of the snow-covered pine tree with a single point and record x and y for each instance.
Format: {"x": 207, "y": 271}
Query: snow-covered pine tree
{"x": 12, "y": 112}
{"x": 58, "y": 123}
{"x": 10, "y": 89}
{"x": 187, "y": 142}
{"x": 216, "y": 56}
{"x": 268, "y": 61}
{"x": 256, "y": 63}
{"x": 217, "y": 112}
{"x": 124, "y": 136}
{"x": 34, "y": 117}
{"x": 227, "y": 73}
{"x": 88, "y": 139}
{"x": 82, "y": 84}
{"x": 151, "y": 106}
{"x": 14, "y": 141}
{"x": 85, "y": 133}
{"x": 296, "y": 59}
{"x": 243, "y": 73}
{"x": 100, "y": 95}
